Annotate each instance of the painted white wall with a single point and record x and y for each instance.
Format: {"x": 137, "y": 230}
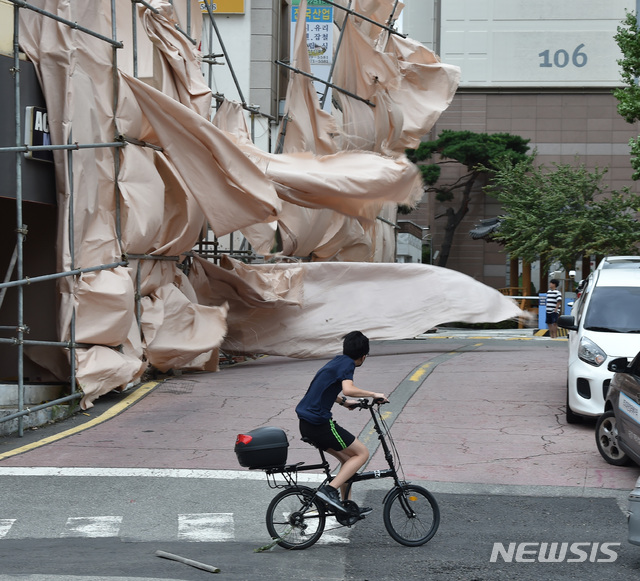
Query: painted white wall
{"x": 408, "y": 248}
{"x": 6, "y": 28}
{"x": 235, "y": 30}
{"x": 236, "y": 33}
{"x": 519, "y": 43}
{"x": 417, "y": 20}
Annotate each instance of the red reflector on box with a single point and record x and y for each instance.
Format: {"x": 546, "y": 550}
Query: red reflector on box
{"x": 243, "y": 439}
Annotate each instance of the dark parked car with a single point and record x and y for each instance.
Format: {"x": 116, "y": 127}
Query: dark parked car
{"x": 618, "y": 429}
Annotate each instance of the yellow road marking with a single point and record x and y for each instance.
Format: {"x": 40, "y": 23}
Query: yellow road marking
{"x": 110, "y": 413}
{"x": 420, "y": 372}
{"x": 372, "y": 432}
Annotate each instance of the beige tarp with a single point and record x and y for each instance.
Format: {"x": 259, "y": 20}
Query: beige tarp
{"x": 162, "y": 208}
{"x": 320, "y": 233}
{"x": 200, "y": 173}
{"x": 406, "y": 82}
{"x": 302, "y": 310}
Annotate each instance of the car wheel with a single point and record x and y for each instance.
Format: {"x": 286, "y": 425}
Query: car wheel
{"x": 607, "y": 440}
{"x": 571, "y": 417}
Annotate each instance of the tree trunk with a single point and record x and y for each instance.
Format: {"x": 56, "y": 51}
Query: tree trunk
{"x": 453, "y": 221}
{"x": 544, "y": 275}
{"x": 447, "y": 241}
{"x": 514, "y": 268}
{"x": 526, "y": 278}
{"x": 586, "y": 267}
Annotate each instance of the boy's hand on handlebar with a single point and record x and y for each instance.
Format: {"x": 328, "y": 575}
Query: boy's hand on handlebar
{"x": 353, "y": 404}
{"x": 365, "y": 403}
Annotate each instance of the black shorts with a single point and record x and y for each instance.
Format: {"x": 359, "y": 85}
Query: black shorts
{"x": 327, "y": 436}
{"x": 552, "y": 318}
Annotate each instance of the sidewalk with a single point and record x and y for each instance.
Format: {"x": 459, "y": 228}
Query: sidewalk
{"x": 477, "y": 411}
{"x": 515, "y": 334}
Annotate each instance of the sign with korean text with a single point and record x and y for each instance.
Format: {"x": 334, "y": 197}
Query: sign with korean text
{"x": 223, "y": 6}
{"x": 319, "y": 27}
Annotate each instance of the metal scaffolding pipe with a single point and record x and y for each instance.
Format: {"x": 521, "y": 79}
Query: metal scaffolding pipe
{"x": 333, "y": 60}
{"x": 20, "y": 415}
{"x": 7, "y": 276}
{"x": 75, "y": 25}
{"x": 29, "y": 280}
{"x": 64, "y": 344}
{"x": 349, "y": 93}
{"x": 151, "y": 257}
{"x": 72, "y": 325}
{"x": 391, "y": 18}
{"x": 25, "y": 148}
{"x": 375, "y": 23}
{"x": 140, "y": 143}
{"x": 226, "y": 55}
{"x": 145, "y": 4}
{"x": 134, "y": 34}
{"x": 193, "y": 41}
{"x": 20, "y": 228}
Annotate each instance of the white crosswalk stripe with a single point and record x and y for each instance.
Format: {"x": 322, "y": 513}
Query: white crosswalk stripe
{"x": 5, "y": 526}
{"x": 92, "y": 526}
{"x": 195, "y": 528}
{"x": 206, "y": 527}
{"x": 333, "y": 533}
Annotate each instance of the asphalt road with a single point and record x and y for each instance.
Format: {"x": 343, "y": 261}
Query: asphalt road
{"x": 477, "y": 420}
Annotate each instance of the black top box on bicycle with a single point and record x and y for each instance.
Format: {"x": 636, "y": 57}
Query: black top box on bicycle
{"x": 265, "y": 447}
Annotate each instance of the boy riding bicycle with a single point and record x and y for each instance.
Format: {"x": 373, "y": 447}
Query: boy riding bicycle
{"x": 333, "y": 383}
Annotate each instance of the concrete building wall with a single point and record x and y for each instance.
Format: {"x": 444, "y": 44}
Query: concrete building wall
{"x": 565, "y": 127}
{"x": 253, "y": 41}
{"x": 540, "y": 70}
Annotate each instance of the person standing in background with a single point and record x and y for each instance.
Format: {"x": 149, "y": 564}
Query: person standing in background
{"x": 554, "y": 304}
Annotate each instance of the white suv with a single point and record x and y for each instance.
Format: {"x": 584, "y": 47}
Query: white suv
{"x": 604, "y": 324}
{"x": 619, "y": 262}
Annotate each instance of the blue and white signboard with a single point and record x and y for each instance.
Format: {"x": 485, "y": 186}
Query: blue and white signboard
{"x": 319, "y": 41}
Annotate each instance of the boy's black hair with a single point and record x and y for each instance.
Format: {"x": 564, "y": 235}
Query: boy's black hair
{"x": 555, "y": 281}
{"x": 355, "y": 345}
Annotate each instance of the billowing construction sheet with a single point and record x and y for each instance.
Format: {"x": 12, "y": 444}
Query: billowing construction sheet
{"x": 303, "y": 310}
{"x": 330, "y": 194}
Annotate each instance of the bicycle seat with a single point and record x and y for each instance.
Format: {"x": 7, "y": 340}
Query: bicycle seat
{"x": 308, "y": 441}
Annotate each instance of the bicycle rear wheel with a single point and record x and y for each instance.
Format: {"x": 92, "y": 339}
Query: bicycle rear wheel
{"x": 296, "y": 518}
{"x": 411, "y": 515}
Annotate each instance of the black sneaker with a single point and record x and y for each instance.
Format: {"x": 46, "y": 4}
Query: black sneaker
{"x": 364, "y": 511}
{"x": 330, "y": 496}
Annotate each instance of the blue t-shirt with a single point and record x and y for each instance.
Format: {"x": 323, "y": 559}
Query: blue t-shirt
{"x": 315, "y": 406}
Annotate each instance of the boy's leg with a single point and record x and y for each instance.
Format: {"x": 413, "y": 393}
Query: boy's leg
{"x": 352, "y": 458}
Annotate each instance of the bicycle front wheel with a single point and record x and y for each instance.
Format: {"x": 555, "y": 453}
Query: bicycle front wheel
{"x": 411, "y": 515}
{"x": 296, "y": 518}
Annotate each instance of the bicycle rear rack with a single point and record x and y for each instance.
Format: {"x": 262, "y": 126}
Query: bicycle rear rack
{"x": 289, "y": 473}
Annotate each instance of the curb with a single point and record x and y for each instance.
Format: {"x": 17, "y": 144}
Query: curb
{"x": 136, "y": 395}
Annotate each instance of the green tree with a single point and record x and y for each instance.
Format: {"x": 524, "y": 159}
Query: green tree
{"x": 477, "y": 153}
{"x": 562, "y": 213}
{"x": 628, "y": 39}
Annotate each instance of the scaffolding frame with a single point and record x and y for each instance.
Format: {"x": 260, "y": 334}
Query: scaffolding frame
{"x": 206, "y": 248}
{"x": 16, "y": 265}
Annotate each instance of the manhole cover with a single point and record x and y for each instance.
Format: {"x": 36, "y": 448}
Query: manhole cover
{"x": 179, "y": 387}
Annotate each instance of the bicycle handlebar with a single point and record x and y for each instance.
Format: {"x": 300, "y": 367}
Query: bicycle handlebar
{"x": 365, "y": 404}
